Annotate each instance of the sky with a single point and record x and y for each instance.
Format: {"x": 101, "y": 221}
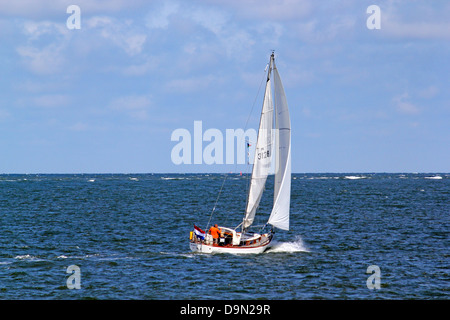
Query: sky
{"x": 107, "y": 97}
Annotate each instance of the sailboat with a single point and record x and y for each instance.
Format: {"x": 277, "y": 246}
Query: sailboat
{"x": 273, "y": 150}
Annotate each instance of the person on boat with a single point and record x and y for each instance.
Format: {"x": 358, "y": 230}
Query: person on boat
{"x": 215, "y": 232}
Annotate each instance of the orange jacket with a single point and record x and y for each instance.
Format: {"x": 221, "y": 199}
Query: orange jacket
{"x": 215, "y": 232}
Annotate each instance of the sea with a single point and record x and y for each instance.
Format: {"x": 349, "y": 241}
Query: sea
{"x": 354, "y": 236}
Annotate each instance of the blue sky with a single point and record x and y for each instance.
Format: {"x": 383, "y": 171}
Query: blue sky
{"x": 106, "y": 98}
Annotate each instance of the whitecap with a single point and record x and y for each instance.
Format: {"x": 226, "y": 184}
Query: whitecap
{"x": 321, "y": 178}
{"x": 23, "y": 257}
{"x": 354, "y": 177}
{"x": 434, "y": 177}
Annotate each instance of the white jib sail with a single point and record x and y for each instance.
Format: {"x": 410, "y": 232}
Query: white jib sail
{"x": 263, "y": 155}
{"x": 279, "y": 216}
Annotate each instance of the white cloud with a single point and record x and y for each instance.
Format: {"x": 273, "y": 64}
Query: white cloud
{"x": 416, "y": 20}
{"x": 57, "y": 8}
{"x": 159, "y": 19}
{"x": 141, "y": 69}
{"x": 267, "y": 10}
{"x": 51, "y": 100}
{"x": 46, "y": 60}
{"x": 51, "y": 46}
{"x": 133, "y": 43}
{"x": 228, "y": 36}
{"x": 325, "y": 28}
{"x": 417, "y": 30}
{"x": 47, "y": 56}
{"x": 27, "y": 86}
{"x": 135, "y": 106}
{"x": 428, "y": 92}
{"x": 191, "y": 84}
{"x": 270, "y": 33}
{"x": 404, "y": 106}
{"x": 35, "y": 29}
{"x": 209, "y": 18}
{"x": 121, "y": 34}
{"x": 99, "y": 21}
{"x": 30, "y": 8}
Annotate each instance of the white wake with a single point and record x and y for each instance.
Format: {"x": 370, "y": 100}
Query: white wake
{"x": 295, "y": 246}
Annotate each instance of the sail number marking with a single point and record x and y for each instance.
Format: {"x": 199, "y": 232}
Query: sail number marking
{"x": 263, "y": 154}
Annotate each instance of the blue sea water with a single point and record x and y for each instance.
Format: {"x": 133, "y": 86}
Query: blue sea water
{"x": 128, "y": 234}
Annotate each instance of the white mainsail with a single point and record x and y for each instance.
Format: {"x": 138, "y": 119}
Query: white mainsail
{"x": 279, "y": 216}
{"x": 263, "y": 155}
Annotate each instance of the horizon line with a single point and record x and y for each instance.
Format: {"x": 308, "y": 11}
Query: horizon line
{"x": 228, "y": 172}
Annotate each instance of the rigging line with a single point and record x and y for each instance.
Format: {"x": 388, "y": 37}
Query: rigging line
{"x": 217, "y": 200}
